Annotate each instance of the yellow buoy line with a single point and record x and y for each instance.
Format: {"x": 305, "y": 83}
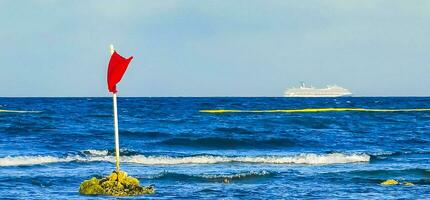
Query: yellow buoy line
{"x": 310, "y": 110}
{"x": 19, "y": 111}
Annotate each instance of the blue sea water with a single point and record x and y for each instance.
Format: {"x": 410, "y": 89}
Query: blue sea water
{"x": 192, "y": 155}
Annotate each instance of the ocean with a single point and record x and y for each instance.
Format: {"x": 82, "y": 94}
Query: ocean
{"x": 189, "y": 154}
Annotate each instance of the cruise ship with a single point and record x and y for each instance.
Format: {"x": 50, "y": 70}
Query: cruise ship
{"x": 305, "y": 91}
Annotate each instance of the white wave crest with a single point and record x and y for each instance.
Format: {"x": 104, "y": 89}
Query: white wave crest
{"x": 93, "y": 152}
{"x": 310, "y": 159}
{"x": 33, "y": 160}
{"x": 313, "y": 159}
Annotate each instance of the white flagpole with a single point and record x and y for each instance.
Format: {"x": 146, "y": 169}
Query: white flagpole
{"x": 115, "y": 121}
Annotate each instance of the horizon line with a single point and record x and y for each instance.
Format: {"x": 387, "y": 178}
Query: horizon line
{"x": 364, "y": 96}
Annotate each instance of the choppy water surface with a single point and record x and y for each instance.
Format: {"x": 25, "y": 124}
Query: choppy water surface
{"x": 187, "y": 154}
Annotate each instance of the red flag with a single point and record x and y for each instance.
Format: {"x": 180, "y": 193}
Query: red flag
{"x": 116, "y": 69}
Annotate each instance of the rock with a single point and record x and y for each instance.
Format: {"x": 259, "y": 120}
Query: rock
{"x": 395, "y": 182}
{"x": 390, "y": 182}
{"x": 121, "y": 176}
{"x": 90, "y": 187}
{"x": 132, "y": 181}
{"x": 116, "y": 184}
{"x": 113, "y": 176}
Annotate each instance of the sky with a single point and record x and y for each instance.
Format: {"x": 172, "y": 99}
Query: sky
{"x": 215, "y": 48}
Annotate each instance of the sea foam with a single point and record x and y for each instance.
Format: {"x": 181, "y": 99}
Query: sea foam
{"x": 34, "y": 160}
{"x": 101, "y": 156}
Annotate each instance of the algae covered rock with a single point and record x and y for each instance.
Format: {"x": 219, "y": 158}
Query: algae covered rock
{"x": 395, "y": 182}
{"x": 91, "y": 187}
{"x": 390, "y": 182}
{"x": 116, "y": 184}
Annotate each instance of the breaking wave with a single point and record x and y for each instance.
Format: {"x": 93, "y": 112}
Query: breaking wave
{"x": 34, "y": 160}
{"x": 103, "y": 156}
{"x": 93, "y": 152}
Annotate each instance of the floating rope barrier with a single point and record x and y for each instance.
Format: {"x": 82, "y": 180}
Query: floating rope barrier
{"x": 310, "y": 110}
{"x": 19, "y": 111}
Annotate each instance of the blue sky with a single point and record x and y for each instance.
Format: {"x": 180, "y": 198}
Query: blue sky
{"x": 215, "y": 48}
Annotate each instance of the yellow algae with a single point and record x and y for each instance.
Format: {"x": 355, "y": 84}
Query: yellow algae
{"x": 116, "y": 184}
{"x": 395, "y": 182}
{"x": 91, "y": 186}
{"x": 408, "y": 184}
{"x": 390, "y": 182}
{"x": 309, "y": 110}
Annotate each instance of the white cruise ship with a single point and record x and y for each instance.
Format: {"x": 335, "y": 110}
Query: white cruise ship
{"x": 305, "y": 91}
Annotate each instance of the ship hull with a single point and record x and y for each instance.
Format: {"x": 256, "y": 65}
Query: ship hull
{"x": 330, "y": 91}
{"x": 316, "y": 96}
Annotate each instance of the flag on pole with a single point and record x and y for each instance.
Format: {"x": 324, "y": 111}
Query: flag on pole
{"x": 116, "y": 69}
{"x": 118, "y": 183}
